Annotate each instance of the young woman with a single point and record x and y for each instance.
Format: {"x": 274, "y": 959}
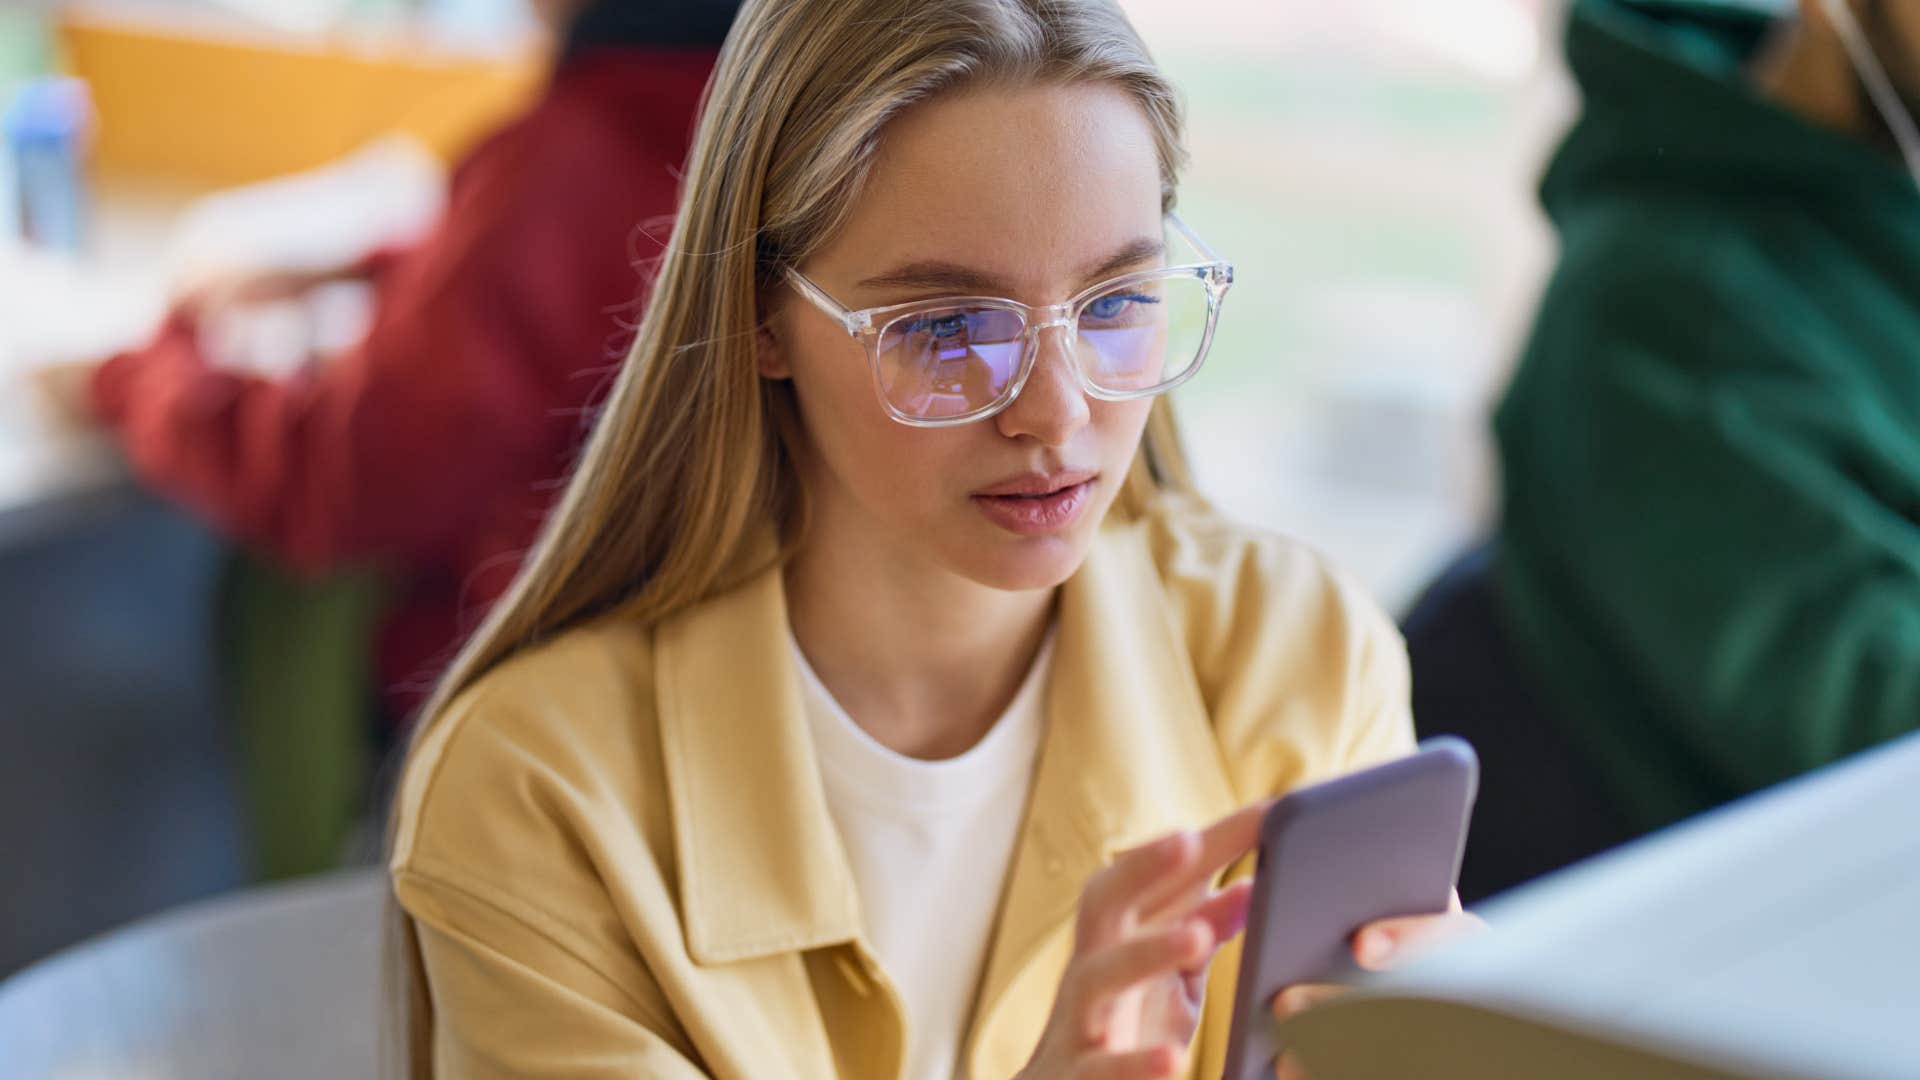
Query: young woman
{"x": 855, "y": 713}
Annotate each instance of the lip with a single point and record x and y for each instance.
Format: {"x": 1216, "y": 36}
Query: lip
{"x": 1037, "y": 504}
{"x": 1038, "y": 483}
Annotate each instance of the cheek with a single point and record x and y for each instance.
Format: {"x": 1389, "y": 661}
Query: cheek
{"x": 857, "y": 446}
{"x": 828, "y": 368}
{"x": 1120, "y": 425}
{"x": 829, "y": 372}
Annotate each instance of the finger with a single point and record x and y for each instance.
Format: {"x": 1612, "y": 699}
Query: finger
{"x": 1225, "y": 913}
{"x": 1389, "y": 942}
{"x": 1152, "y": 1063}
{"x": 1287, "y": 1067}
{"x": 1221, "y": 844}
{"x": 1300, "y": 997}
{"x": 1104, "y": 975}
{"x": 1111, "y": 894}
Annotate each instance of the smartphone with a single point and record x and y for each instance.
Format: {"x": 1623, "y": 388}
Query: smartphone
{"x": 1333, "y": 857}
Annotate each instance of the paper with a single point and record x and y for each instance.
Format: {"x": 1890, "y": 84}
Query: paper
{"x": 1779, "y": 936}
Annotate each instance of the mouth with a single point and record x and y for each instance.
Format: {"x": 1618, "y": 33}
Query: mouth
{"x": 1037, "y": 504}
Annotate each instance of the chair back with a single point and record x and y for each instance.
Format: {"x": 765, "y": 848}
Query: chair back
{"x": 278, "y": 982}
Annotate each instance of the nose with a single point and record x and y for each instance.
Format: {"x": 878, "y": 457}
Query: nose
{"x": 1051, "y": 407}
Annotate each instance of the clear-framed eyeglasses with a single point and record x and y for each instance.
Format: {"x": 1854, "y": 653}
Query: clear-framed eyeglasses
{"x": 954, "y": 360}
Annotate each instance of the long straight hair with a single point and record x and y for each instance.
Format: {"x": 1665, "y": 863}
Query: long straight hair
{"x": 693, "y": 455}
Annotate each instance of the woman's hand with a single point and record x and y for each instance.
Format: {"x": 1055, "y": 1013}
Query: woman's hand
{"x": 214, "y": 294}
{"x": 1149, "y": 924}
{"x": 1377, "y": 946}
{"x": 65, "y": 391}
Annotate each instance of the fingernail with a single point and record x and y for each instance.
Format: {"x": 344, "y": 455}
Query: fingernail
{"x": 1287, "y": 1002}
{"x": 1376, "y": 948}
{"x": 1235, "y": 925}
{"x": 1197, "y": 939}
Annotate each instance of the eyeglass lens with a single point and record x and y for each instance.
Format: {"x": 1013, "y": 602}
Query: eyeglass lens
{"x": 952, "y": 361}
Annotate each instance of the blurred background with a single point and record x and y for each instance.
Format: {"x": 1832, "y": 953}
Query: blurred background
{"x": 1368, "y": 166}
{"x": 1370, "y": 169}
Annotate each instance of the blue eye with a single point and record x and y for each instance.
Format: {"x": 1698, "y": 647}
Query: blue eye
{"x": 940, "y": 328}
{"x": 1115, "y": 305}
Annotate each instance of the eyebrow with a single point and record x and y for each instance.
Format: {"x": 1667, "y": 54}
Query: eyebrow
{"x": 935, "y": 275}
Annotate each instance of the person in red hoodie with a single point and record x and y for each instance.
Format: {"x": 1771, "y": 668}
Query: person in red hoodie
{"x": 433, "y": 447}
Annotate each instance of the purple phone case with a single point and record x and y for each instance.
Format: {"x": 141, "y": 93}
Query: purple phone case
{"x": 1379, "y": 843}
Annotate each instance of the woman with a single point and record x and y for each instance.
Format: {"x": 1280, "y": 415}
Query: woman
{"x": 880, "y": 614}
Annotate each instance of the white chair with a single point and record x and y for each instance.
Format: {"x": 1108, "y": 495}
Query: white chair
{"x": 278, "y": 983}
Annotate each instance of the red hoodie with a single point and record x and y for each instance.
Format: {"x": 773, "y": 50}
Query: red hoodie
{"x": 434, "y": 448}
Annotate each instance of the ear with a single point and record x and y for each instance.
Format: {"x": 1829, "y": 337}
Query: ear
{"x": 769, "y": 355}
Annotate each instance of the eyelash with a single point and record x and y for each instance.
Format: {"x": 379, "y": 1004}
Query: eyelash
{"x": 932, "y": 326}
{"x": 1132, "y": 298}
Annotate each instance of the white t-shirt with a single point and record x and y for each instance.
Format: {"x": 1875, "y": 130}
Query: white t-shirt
{"x": 930, "y": 844}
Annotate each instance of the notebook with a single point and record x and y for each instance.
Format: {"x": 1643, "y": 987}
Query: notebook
{"x": 1776, "y": 937}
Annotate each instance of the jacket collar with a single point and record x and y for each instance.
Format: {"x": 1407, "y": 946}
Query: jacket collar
{"x": 1128, "y": 754}
{"x": 760, "y": 862}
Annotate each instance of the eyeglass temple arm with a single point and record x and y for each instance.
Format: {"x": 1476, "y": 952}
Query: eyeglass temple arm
{"x": 852, "y": 320}
{"x": 1193, "y": 238}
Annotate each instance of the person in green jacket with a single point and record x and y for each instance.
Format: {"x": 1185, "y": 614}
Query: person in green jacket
{"x": 1710, "y": 557}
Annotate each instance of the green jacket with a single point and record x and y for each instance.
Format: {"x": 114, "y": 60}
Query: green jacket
{"x": 1710, "y": 557}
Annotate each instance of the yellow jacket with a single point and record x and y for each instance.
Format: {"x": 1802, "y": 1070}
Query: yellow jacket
{"x": 620, "y": 863}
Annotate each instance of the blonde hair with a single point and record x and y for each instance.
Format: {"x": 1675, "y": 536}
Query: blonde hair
{"x": 693, "y": 455}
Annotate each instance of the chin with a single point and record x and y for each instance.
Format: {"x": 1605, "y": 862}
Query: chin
{"x": 1026, "y": 563}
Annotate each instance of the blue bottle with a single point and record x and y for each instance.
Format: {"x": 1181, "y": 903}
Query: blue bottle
{"x": 47, "y": 127}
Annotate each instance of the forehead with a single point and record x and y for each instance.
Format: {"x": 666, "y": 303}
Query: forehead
{"x": 1026, "y": 184}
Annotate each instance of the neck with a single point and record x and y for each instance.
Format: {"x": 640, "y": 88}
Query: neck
{"x": 1806, "y": 70}
{"x": 922, "y": 659}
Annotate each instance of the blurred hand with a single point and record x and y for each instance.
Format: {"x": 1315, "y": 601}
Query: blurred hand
{"x": 1149, "y": 925}
{"x": 212, "y": 295}
{"x": 1377, "y": 946}
{"x": 66, "y": 391}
